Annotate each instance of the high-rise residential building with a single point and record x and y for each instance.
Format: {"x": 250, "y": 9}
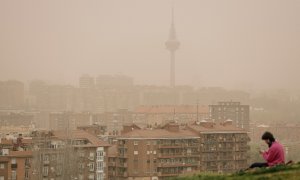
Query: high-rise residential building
{"x": 229, "y": 110}
{"x": 52, "y": 97}
{"x": 224, "y": 147}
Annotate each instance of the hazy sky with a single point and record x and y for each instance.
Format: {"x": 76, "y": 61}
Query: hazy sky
{"x": 231, "y": 43}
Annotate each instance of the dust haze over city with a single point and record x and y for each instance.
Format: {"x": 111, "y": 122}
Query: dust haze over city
{"x": 95, "y": 89}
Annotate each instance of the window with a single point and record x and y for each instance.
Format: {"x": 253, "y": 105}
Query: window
{"x": 1, "y": 177}
{"x": 135, "y": 143}
{"x": 91, "y": 176}
{"x": 13, "y": 161}
{"x": 46, "y": 157}
{"x": 53, "y": 157}
{"x": 27, "y": 162}
{"x": 80, "y": 177}
{"x": 45, "y": 170}
{"x": 99, "y": 176}
{"x": 81, "y": 153}
{"x": 13, "y": 174}
{"x": 81, "y": 165}
{"x": 100, "y": 155}
{"x": 26, "y": 174}
{"x": 92, "y": 156}
{"x": 91, "y": 166}
{"x": 5, "y": 152}
{"x": 2, "y": 166}
{"x": 135, "y": 152}
{"x": 100, "y": 166}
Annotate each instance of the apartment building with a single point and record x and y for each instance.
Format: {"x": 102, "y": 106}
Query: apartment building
{"x": 75, "y": 154}
{"x": 173, "y": 150}
{"x": 154, "y": 153}
{"x": 15, "y": 158}
{"x": 223, "y": 147}
{"x": 240, "y": 114}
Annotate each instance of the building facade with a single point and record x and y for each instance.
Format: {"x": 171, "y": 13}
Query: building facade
{"x": 15, "y": 158}
{"x": 173, "y": 150}
{"x": 240, "y": 114}
{"x": 69, "y": 155}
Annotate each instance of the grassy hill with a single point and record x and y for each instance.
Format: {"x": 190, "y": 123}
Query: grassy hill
{"x": 276, "y": 173}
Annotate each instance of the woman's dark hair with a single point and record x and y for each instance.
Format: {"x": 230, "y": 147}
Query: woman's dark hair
{"x": 268, "y": 136}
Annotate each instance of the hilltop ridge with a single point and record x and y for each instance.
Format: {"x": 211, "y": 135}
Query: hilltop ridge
{"x": 281, "y": 172}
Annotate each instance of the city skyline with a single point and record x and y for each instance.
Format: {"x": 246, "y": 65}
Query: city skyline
{"x": 59, "y": 43}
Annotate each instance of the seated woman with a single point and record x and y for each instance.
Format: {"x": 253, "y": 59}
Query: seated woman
{"x": 274, "y": 155}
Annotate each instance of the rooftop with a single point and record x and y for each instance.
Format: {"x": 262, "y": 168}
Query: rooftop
{"x": 158, "y": 134}
{"x": 80, "y": 135}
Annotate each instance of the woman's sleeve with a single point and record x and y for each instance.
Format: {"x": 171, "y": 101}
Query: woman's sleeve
{"x": 269, "y": 155}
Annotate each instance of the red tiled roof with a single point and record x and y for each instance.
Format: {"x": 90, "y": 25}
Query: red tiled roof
{"x": 79, "y": 134}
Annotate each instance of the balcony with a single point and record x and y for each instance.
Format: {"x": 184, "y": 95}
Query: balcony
{"x": 243, "y": 148}
{"x": 111, "y": 173}
{"x": 123, "y": 165}
{"x": 165, "y": 146}
{"x": 177, "y": 164}
{"x": 123, "y": 155}
{"x": 91, "y": 158}
{"x": 225, "y": 158}
{"x": 111, "y": 163}
{"x": 46, "y": 162}
{"x": 162, "y": 174}
{"x": 194, "y": 145}
{"x": 225, "y": 149}
{"x": 27, "y": 165}
{"x": 173, "y": 155}
{"x": 122, "y": 174}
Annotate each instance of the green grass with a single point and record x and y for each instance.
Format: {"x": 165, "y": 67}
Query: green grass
{"x": 276, "y": 173}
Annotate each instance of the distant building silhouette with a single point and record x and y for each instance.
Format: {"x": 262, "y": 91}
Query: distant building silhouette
{"x": 86, "y": 81}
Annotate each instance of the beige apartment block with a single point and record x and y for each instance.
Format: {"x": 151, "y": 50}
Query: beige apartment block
{"x": 173, "y": 150}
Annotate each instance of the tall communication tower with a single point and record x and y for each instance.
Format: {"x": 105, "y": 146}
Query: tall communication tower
{"x": 172, "y": 44}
